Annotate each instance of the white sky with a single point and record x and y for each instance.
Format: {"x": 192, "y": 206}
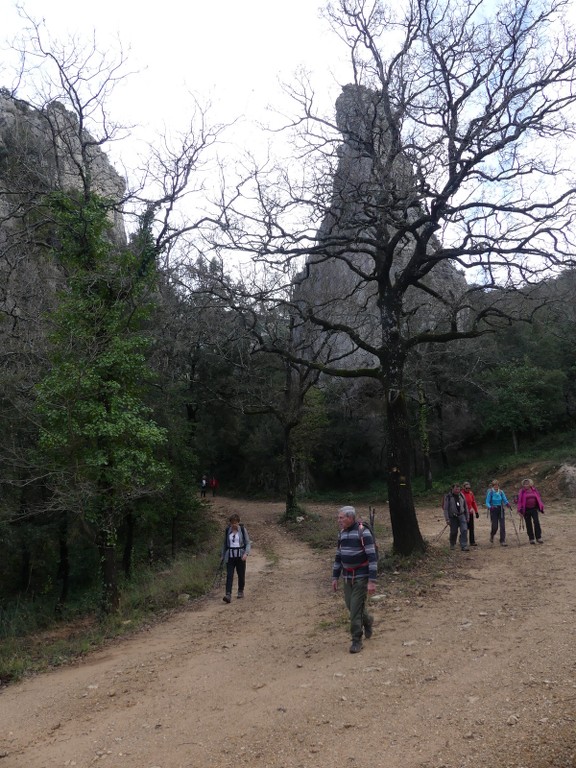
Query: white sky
{"x": 229, "y": 52}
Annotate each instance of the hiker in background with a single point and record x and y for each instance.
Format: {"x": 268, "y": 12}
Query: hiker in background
{"x": 356, "y": 560}
{"x": 472, "y": 510}
{"x": 203, "y": 486}
{"x": 496, "y": 502}
{"x": 235, "y": 550}
{"x": 213, "y": 485}
{"x": 456, "y": 516}
{"x": 529, "y": 506}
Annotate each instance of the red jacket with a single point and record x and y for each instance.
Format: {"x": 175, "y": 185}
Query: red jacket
{"x": 470, "y": 501}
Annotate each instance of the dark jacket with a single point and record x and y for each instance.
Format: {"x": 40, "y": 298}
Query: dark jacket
{"x": 454, "y": 506}
{"x": 245, "y": 543}
{"x": 356, "y": 554}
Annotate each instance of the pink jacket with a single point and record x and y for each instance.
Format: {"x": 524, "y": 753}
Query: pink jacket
{"x": 522, "y": 499}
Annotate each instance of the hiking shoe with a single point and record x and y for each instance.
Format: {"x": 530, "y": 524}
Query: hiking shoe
{"x": 356, "y": 646}
{"x": 240, "y": 594}
{"x": 473, "y": 544}
{"x": 539, "y": 541}
{"x": 227, "y": 598}
{"x": 532, "y": 542}
{"x": 368, "y": 630}
{"x": 465, "y": 549}
{"x": 452, "y": 546}
{"x": 503, "y": 544}
{"x": 491, "y": 538}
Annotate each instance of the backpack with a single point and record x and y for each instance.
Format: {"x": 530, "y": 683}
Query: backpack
{"x": 363, "y": 525}
{"x": 227, "y": 531}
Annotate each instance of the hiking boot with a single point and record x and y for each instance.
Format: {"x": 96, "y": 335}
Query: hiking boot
{"x": 503, "y": 544}
{"x": 227, "y": 598}
{"x": 368, "y": 630}
{"x": 491, "y": 538}
{"x": 240, "y": 594}
{"x": 452, "y": 546}
{"x": 539, "y": 541}
{"x": 356, "y": 646}
{"x": 473, "y": 544}
{"x": 532, "y": 542}
{"x": 465, "y": 549}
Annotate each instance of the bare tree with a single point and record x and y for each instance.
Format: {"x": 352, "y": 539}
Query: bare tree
{"x": 448, "y": 157}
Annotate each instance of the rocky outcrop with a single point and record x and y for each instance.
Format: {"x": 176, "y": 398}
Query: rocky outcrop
{"x": 47, "y": 149}
{"x": 374, "y": 202}
{"x": 42, "y": 150}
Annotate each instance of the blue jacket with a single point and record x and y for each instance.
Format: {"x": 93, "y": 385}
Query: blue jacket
{"x": 496, "y": 499}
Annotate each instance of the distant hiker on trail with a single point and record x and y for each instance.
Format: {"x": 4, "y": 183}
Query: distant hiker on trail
{"x": 356, "y": 560}
{"x": 203, "y": 486}
{"x": 235, "y": 550}
{"x": 529, "y": 506}
{"x": 456, "y": 516}
{"x": 213, "y": 483}
{"x": 496, "y": 502}
{"x": 472, "y": 510}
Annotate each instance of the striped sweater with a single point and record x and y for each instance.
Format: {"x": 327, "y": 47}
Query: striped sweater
{"x": 355, "y": 555}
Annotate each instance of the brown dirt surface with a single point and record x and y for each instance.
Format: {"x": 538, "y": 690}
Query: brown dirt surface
{"x": 475, "y": 666}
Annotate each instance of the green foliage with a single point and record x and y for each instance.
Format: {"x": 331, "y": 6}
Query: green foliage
{"x": 97, "y": 435}
{"x": 522, "y": 398}
{"x": 95, "y": 427}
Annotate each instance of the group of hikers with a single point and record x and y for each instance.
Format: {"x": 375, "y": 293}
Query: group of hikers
{"x": 208, "y": 483}
{"x": 460, "y": 509}
{"x": 356, "y": 559}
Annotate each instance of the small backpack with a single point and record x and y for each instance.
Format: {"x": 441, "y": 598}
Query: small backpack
{"x": 362, "y": 524}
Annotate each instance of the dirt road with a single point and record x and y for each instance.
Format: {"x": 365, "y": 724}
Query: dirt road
{"x": 478, "y": 672}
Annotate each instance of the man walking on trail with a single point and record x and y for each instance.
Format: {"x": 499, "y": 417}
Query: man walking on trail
{"x": 357, "y": 562}
{"x": 456, "y": 516}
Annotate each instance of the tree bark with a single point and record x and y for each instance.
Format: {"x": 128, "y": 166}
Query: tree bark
{"x": 289, "y": 463}
{"x": 128, "y": 545}
{"x": 110, "y": 588}
{"x": 64, "y": 562}
{"x": 405, "y": 529}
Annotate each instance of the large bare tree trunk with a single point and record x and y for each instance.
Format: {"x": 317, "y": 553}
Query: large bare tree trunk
{"x": 405, "y": 529}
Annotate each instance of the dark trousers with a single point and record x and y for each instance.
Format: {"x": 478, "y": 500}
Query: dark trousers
{"x": 471, "y": 529}
{"x": 238, "y": 565}
{"x": 532, "y": 520}
{"x": 458, "y": 524}
{"x": 498, "y": 518}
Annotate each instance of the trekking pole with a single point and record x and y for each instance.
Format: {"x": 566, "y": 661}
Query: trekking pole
{"x": 372, "y": 516}
{"x": 437, "y": 538}
{"x": 218, "y": 576}
{"x": 514, "y": 524}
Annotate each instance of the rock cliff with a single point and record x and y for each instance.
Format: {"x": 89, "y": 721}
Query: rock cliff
{"x": 368, "y": 236}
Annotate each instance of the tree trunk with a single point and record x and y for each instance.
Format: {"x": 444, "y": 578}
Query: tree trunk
{"x": 424, "y": 437}
{"x": 515, "y": 441}
{"x": 405, "y": 529}
{"x": 128, "y": 546}
{"x": 63, "y": 573}
{"x": 290, "y": 465}
{"x": 443, "y": 454}
{"x": 110, "y": 589}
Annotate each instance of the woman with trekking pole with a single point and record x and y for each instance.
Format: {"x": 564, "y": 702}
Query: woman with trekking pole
{"x": 529, "y": 506}
{"x": 496, "y": 502}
